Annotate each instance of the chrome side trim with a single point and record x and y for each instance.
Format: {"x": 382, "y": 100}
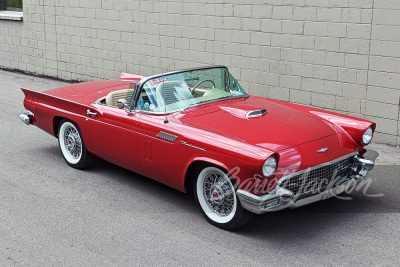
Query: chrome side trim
{"x": 167, "y": 136}
{"x": 280, "y": 181}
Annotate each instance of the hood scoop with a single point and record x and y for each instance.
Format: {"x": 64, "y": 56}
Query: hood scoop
{"x": 245, "y": 112}
{"x": 256, "y": 113}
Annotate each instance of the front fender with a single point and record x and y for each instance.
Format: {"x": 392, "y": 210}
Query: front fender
{"x": 353, "y": 127}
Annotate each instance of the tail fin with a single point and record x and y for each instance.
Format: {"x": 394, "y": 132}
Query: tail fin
{"x": 130, "y": 77}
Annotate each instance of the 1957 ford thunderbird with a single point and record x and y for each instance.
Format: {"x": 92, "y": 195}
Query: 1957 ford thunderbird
{"x": 198, "y": 131}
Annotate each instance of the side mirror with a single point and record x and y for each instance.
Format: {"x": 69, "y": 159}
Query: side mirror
{"x": 122, "y": 103}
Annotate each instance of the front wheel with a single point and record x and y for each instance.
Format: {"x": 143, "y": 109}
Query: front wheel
{"x": 216, "y": 195}
{"x": 72, "y": 146}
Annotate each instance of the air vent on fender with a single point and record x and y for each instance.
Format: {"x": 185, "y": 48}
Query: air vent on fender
{"x": 167, "y": 137}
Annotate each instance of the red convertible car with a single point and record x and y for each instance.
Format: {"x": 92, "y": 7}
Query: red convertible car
{"x": 198, "y": 131}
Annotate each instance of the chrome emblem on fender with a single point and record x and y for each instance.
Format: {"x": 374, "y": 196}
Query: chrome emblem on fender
{"x": 193, "y": 146}
{"x": 322, "y": 150}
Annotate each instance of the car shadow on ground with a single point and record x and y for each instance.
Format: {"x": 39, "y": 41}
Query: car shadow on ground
{"x": 136, "y": 182}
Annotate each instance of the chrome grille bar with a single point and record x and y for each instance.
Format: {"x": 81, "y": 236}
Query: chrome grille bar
{"x": 318, "y": 179}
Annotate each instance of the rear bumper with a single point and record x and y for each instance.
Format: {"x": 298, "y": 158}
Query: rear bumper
{"x": 27, "y": 117}
{"x": 281, "y": 198}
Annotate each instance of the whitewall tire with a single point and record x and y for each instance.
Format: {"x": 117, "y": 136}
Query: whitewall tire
{"x": 72, "y": 146}
{"x": 216, "y": 195}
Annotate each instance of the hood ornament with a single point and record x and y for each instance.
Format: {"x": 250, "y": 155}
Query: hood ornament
{"x": 322, "y": 150}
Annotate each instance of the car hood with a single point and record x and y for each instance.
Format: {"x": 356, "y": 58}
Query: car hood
{"x": 281, "y": 127}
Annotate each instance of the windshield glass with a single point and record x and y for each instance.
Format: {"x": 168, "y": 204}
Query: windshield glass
{"x": 178, "y": 91}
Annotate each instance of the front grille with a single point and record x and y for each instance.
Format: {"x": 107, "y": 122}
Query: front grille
{"x": 317, "y": 180}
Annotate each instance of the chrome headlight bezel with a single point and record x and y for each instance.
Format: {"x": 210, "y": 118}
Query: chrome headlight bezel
{"x": 269, "y": 167}
{"x": 367, "y": 136}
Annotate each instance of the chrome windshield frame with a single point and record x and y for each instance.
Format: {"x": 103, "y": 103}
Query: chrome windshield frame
{"x": 139, "y": 87}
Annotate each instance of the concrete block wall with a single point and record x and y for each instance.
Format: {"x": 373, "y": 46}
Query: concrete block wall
{"x": 341, "y": 55}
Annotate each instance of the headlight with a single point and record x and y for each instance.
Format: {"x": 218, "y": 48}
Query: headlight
{"x": 367, "y": 136}
{"x": 269, "y": 167}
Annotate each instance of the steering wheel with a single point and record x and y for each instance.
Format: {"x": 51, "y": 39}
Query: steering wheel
{"x": 203, "y": 81}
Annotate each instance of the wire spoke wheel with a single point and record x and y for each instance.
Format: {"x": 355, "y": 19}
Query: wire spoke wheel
{"x": 216, "y": 195}
{"x": 72, "y": 146}
{"x": 73, "y": 142}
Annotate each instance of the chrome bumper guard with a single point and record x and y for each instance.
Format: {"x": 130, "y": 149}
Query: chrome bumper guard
{"x": 26, "y": 117}
{"x": 281, "y": 198}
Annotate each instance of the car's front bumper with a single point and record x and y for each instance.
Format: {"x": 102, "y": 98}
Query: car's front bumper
{"x": 281, "y": 198}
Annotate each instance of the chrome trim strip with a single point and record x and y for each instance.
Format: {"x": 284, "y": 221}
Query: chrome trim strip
{"x": 280, "y": 181}
{"x": 146, "y": 79}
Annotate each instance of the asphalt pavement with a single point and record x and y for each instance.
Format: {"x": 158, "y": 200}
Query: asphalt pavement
{"x": 54, "y": 215}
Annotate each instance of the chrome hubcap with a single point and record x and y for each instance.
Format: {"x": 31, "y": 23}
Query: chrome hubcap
{"x": 73, "y": 142}
{"x": 218, "y": 193}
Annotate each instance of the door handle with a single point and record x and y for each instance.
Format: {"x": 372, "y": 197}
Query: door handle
{"x": 88, "y": 112}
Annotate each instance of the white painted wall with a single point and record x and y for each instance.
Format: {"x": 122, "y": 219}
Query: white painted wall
{"x": 342, "y": 55}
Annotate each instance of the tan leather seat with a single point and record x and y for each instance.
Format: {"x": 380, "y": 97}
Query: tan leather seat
{"x": 113, "y": 97}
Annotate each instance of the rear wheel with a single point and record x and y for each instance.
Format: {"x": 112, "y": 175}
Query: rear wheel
{"x": 215, "y": 193}
{"x": 72, "y": 146}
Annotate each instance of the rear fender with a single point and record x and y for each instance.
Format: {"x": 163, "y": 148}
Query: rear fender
{"x": 48, "y": 108}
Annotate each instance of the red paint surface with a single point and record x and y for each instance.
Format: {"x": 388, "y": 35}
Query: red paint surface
{"x": 292, "y": 132}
